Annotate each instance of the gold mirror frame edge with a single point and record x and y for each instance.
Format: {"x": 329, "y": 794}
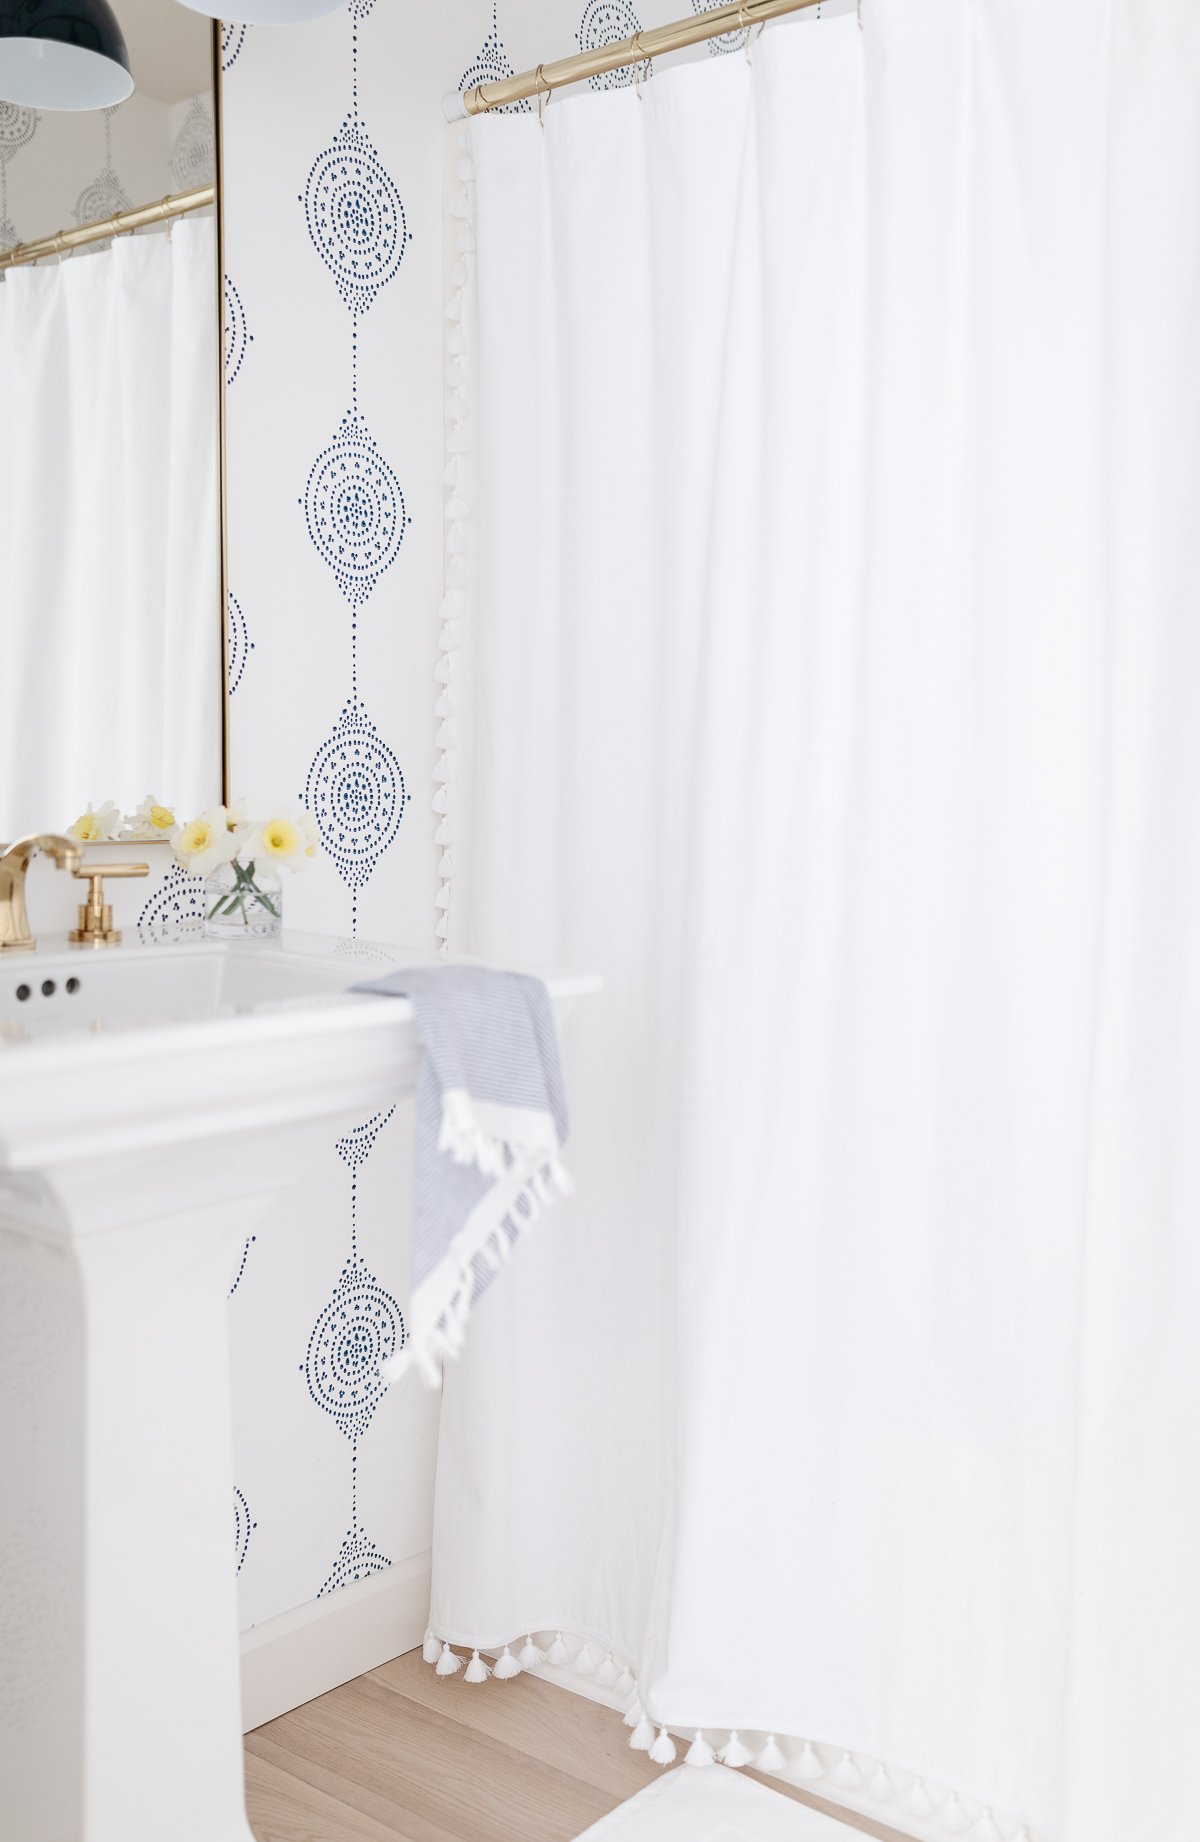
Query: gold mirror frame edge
{"x": 222, "y": 425}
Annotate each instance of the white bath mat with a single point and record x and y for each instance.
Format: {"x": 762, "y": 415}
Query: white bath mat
{"x": 713, "y": 1806}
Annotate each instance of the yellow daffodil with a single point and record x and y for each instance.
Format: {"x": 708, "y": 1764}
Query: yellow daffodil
{"x": 97, "y": 825}
{"x": 205, "y": 842}
{"x": 288, "y": 841}
{"x": 151, "y": 820}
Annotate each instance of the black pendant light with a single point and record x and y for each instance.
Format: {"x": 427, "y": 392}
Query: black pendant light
{"x": 62, "y": 54}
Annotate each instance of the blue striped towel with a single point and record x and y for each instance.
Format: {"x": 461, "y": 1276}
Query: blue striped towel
{"x": 491, "y": 1122}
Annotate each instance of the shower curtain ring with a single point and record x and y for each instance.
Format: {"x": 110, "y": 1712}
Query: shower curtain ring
{"x": 540, "y": 86}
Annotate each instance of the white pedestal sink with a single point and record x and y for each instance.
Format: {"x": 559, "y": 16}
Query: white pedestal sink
{"x": 147, "y": 1118}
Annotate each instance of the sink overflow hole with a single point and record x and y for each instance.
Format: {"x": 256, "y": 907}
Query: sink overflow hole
{"x": 49, "y": 988}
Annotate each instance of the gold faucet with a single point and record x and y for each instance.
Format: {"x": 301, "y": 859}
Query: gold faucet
{"x": 14, "y": 922}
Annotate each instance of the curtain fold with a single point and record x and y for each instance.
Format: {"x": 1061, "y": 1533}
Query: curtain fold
{"x": 828, "y": 681}
{"x": 109, "y": 489}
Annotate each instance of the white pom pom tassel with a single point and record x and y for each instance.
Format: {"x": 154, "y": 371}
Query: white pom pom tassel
{"x": 917, "y": 1800}
{"x": 663, "y": 1750}
{"x": 953, "y": 1817}
{"x": 506, "y": 1666}
{"x": 846, "y": 1774}
{"x": 476, "y": 1670}
{"x": 699, "y": 1752}
{"x": 734, "y": 1753}
{"x": 807, "y": 1764}
{"x": 771, "y": 1758}
{"x": 634, "y": 1713}
{"x": 585, "y": 1662}
{"x": 642, "y": 1737}
{"x": 558, "y": 1652}
{"x": 880, "y": 1785}
{"x": 447, "y": 1663}
{"x": 608, "y": 1672}
{"x": 431, "y": 1650}
{"x": 985, "y": 1829}
{"x": 626, "y": 1683}
{"x": 531, "y": 1657}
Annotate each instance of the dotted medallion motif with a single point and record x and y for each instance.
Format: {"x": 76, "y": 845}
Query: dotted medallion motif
{"x": 243, "y": 1527}
{"x": 18, "y": 126}
{"x": 192, "y": 159}
{"x": 356, "y": 1147}
{"x": 233, "y": 37}
{"x": 357, "y": 1332}
{"x": 250, "y": 1240}
{"x": 606, "y": 22}
{"x": 103, "y": 198}
{"x": 240, "y": 643}
{"x": 238, "y": 337}
{"x": 725, "y": 41}
{"x": 106, "y": 195}
{"x": 493, "y": 63}
{"x": 176, "y": 906}
{"x": 358, "y": 1558}
{"x": 354, "y": 509}
{"x": 355, "y": 217}
{"x": 356, "y": 793}
{"x": 360, "y": 1328}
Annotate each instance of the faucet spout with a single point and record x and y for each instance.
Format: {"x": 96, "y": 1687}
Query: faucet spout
{"x": 14, "y": 920}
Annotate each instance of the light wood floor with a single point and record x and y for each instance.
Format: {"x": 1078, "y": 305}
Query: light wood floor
{"x": 404, "y": 1755}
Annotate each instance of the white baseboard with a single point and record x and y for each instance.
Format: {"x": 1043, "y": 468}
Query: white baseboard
{"x": 304, "y": 1653}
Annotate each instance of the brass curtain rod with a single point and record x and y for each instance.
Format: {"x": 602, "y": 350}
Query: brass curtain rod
{"x": 114, "y": 226}
{"x": 653, "y": 43}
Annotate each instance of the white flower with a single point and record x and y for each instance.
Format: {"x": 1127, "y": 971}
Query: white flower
{"x": 288, "y": 841}
{"x": 203, "y": 843}
{"x": 151, "y": 820}
{"x": 97, "y": 825}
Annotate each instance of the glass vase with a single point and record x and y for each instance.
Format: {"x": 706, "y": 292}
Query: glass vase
{"x": 242, "y": 902}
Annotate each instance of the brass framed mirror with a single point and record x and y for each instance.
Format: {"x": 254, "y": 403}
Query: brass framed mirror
{"x": 114, "y": 645}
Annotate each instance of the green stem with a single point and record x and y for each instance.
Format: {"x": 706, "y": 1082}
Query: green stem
{"x": 245, "y": 889}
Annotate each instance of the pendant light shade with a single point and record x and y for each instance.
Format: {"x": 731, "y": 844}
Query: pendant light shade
{"x": 264, "y": 12}
{"x": 62, "y": 54}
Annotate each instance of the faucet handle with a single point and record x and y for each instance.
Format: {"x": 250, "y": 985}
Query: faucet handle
{"x": 95, "y": 915}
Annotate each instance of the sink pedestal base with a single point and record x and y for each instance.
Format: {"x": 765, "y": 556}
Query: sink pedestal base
{"x": 120, "y": 1716}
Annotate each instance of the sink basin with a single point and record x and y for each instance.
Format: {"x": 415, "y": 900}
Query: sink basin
{"x": 136, "y": 1046}
{"x": 72, "y": 991}
{"x": 154, "y": 1101}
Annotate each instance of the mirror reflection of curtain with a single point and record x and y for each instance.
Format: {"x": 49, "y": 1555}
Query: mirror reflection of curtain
{"x": 109, "y": 530}
{"x": 827, "y": 456}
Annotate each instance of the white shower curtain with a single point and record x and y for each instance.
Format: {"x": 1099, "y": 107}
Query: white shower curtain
{"x": 822, "y": 638}
{"x": 109, "y": 530}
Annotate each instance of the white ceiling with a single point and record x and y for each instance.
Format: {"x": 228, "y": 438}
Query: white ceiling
{"x": 170, "y": 48}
